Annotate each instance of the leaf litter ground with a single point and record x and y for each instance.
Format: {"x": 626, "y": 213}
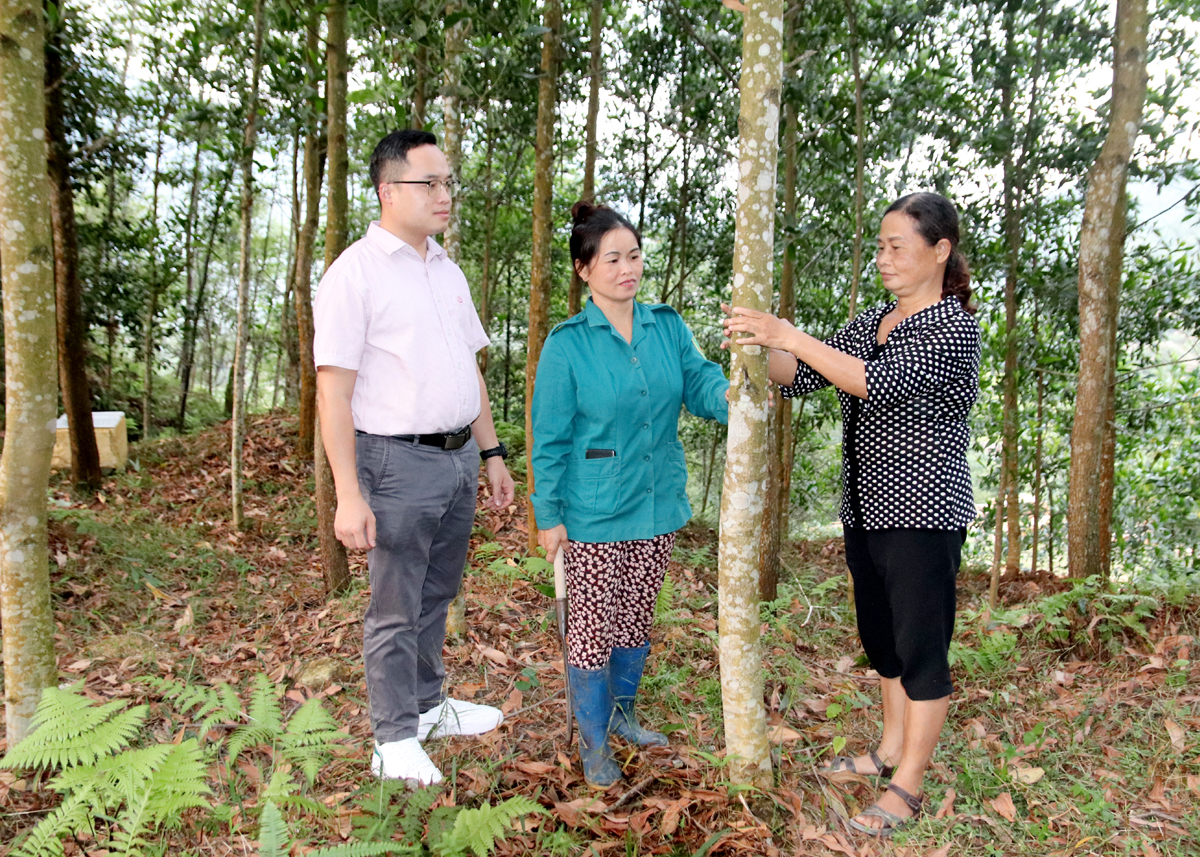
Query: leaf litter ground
{"x": 1073, "y": 729}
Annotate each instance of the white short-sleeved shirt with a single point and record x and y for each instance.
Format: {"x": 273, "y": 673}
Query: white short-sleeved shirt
{"x": 410, "y": 330}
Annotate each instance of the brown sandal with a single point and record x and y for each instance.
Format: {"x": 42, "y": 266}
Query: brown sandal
{"x": 891, "y": 821}
{"x": 845, "y": 764}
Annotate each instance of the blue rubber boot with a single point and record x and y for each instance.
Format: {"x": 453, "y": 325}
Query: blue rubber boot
{"x": 625, "y": 674}
{"x": 593, "y": 710}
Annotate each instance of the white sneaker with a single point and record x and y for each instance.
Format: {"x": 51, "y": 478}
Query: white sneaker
{"x": 404, "y": 760}
{"x": 457, "y": 717}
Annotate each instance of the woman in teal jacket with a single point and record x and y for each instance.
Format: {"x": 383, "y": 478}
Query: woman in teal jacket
{"x": 610, "y": 477}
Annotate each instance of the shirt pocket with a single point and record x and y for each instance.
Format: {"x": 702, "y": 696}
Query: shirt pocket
{"x": 673, "y": 473}
{"x": 594, "y": 486}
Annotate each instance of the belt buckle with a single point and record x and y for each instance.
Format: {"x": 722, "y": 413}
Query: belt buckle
{"x": 456, "y": 441}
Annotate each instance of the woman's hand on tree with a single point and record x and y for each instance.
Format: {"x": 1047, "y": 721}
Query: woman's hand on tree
{"x": 762, "y": 328}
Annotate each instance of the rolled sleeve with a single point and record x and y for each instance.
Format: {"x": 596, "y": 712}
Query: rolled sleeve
{"x": 552, "y": 415}
{"x": 340, "y": 319}
{"x": 808, "y": 379}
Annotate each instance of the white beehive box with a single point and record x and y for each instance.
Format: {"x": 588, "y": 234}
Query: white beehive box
{"x": 111, "y": 438}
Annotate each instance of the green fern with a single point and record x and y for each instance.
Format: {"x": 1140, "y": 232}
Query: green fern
{"x": 211, "y": 705}
{"x": 73, "y": 815}
{"x": 274, "y": 840}
{"x": 665, "y": 600}
{"x": 477, "y": 830}
{"x": 265, "y": 719}
{"x": 311, "y": 731}
{"x": 68, "y": 729}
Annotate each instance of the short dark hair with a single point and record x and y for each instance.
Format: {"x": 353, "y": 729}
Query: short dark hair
{"x": 936, "y": 218}
{"x": 394, "y": 148}
{"x": 590, "y": 223}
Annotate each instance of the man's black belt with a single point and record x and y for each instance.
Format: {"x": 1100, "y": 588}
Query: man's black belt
{"x": 450, "y": 440}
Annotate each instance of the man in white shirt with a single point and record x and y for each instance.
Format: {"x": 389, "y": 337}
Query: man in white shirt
{"x": 404, "y": 415}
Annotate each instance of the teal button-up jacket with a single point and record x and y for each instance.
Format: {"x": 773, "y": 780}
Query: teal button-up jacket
{"x": 595, "y": 391}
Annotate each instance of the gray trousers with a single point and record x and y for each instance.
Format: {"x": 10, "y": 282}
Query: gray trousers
{"x": 424, "y": 504}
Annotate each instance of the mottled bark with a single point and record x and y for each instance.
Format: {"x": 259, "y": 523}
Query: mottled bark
{"x": 777, "y": 502}
{"x": 1101, "y": 247}
{"x": 72, "y": 329}
{"x": 541, "y": 278}
{"x": 421, "y": 75}
{"x": 30, "y": 365}
{"x": 746, "y": 452}
{"x": 452, "y": 88}
{"x": 333, "y": 553}
{"x": 314, "y": 170}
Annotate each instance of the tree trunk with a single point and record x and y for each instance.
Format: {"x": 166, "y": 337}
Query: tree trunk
{"x": 243, "y": 306}
{"x": 542, "y": 275}
{"x": 155, "y": 284}
{"x": 421, "y": 71}
{"x": 746, "y": 453}
{"x": 314, "y": 169}
{"x": 595, "y": 75}
{"x": 1009, "y": 450}
{"x": 1101, "y": 246}
{"x": 456, "y": 41}
{"x": 30, "y": 364}
{"x": 779, "y": 482}
{"x": 333, "y": 553}
{"x": 1037, "y": 449}
{"x": 859, "y": 162}
{"x": 998, "y": 540}
{"x": 489, "y": 232}
{"x": 72, "y": 329}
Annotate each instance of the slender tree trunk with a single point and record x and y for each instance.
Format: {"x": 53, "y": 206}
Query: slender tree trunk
{"x": 1050, "y": 528}
{"x": 779, "y": 483}
{"x": 314, "y": 169}
{"x": 156, "y": 276}
{"x": 456, "y": 41}
{"x": 859, "y": 165}
{"x": 1101, "y": 247}
{"x": 746, "y": 452}
{"x": 489, "y": 232}
{"x": 1009, "y": 455}
{"x": 421, "y": 71}
{"x": 30, "y": 366}
{"x": 72, "y": 329}
{"x": 333, "y": 554}
{"x": 595, "y": 76}
{"x": 542, "y": 275}
{"x": 243, "y": 312}
{"x": 289, "y": 336}
{"x": 195, "y": 312}
{"x": 998, "y": 538}
{"x": 1037, "y": 449}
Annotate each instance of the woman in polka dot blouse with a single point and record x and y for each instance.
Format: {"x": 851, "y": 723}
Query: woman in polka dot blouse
{"x": 907, "y": 374}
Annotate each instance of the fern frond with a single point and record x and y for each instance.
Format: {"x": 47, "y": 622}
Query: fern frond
{"x": 479, "y": 829}
{"x": 209, "y": 705}
{"x": 305, "y": 804}
{"x": 74, "y": 814}
{"x": 68, "y": 729}
{"x": 311, "y": 731}
{"x": 280, "y": 784}
{"x": 265, "y": 719}
{"x": 366, "y": 849}
{"x": 412, "y": 821}
{"x": 274, "y": 838}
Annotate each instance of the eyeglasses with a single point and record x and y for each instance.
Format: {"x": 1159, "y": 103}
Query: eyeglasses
{"x": 435, "y": 186}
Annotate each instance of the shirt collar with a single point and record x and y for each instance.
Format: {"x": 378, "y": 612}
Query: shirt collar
{"x": 389, "y": 242}
{"x": 930, "y": 315}
{"x": 641, "y": 316}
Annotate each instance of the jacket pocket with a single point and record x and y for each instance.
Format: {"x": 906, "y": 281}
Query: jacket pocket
{"x": 595, "y": 485}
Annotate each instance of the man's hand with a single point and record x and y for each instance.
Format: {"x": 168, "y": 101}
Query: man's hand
{"x": 501, "y": 481}
{"x": 354, "y": 523}
{"x": 552, "y": 539}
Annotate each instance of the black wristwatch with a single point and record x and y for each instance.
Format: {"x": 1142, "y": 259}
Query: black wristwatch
{"x": 499, "y": 450}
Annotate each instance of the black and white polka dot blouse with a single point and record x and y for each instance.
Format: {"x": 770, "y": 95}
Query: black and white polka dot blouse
{"x": 904, "y": 449}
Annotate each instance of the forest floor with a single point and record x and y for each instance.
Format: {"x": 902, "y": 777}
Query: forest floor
{"x": 1073, "y": 729}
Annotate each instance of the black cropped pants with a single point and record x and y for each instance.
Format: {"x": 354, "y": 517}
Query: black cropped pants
{"x": 904, "y": 591}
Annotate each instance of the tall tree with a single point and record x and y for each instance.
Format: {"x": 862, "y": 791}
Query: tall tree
{"x": 1101, "y": 251}
{"x": 30, "y": 365}
{"x": 541, "y": 275}
{"x": 595, "y": 77}
{"x": 746, "y": 464}
{"x": 244, "y": 320}
{"x": 314, "y": 170}
{"x": 333, "y": 553}
{"x": 452, "y": 91}
{"x": 777, "y": 500}
{"x": 72, "y": 330}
